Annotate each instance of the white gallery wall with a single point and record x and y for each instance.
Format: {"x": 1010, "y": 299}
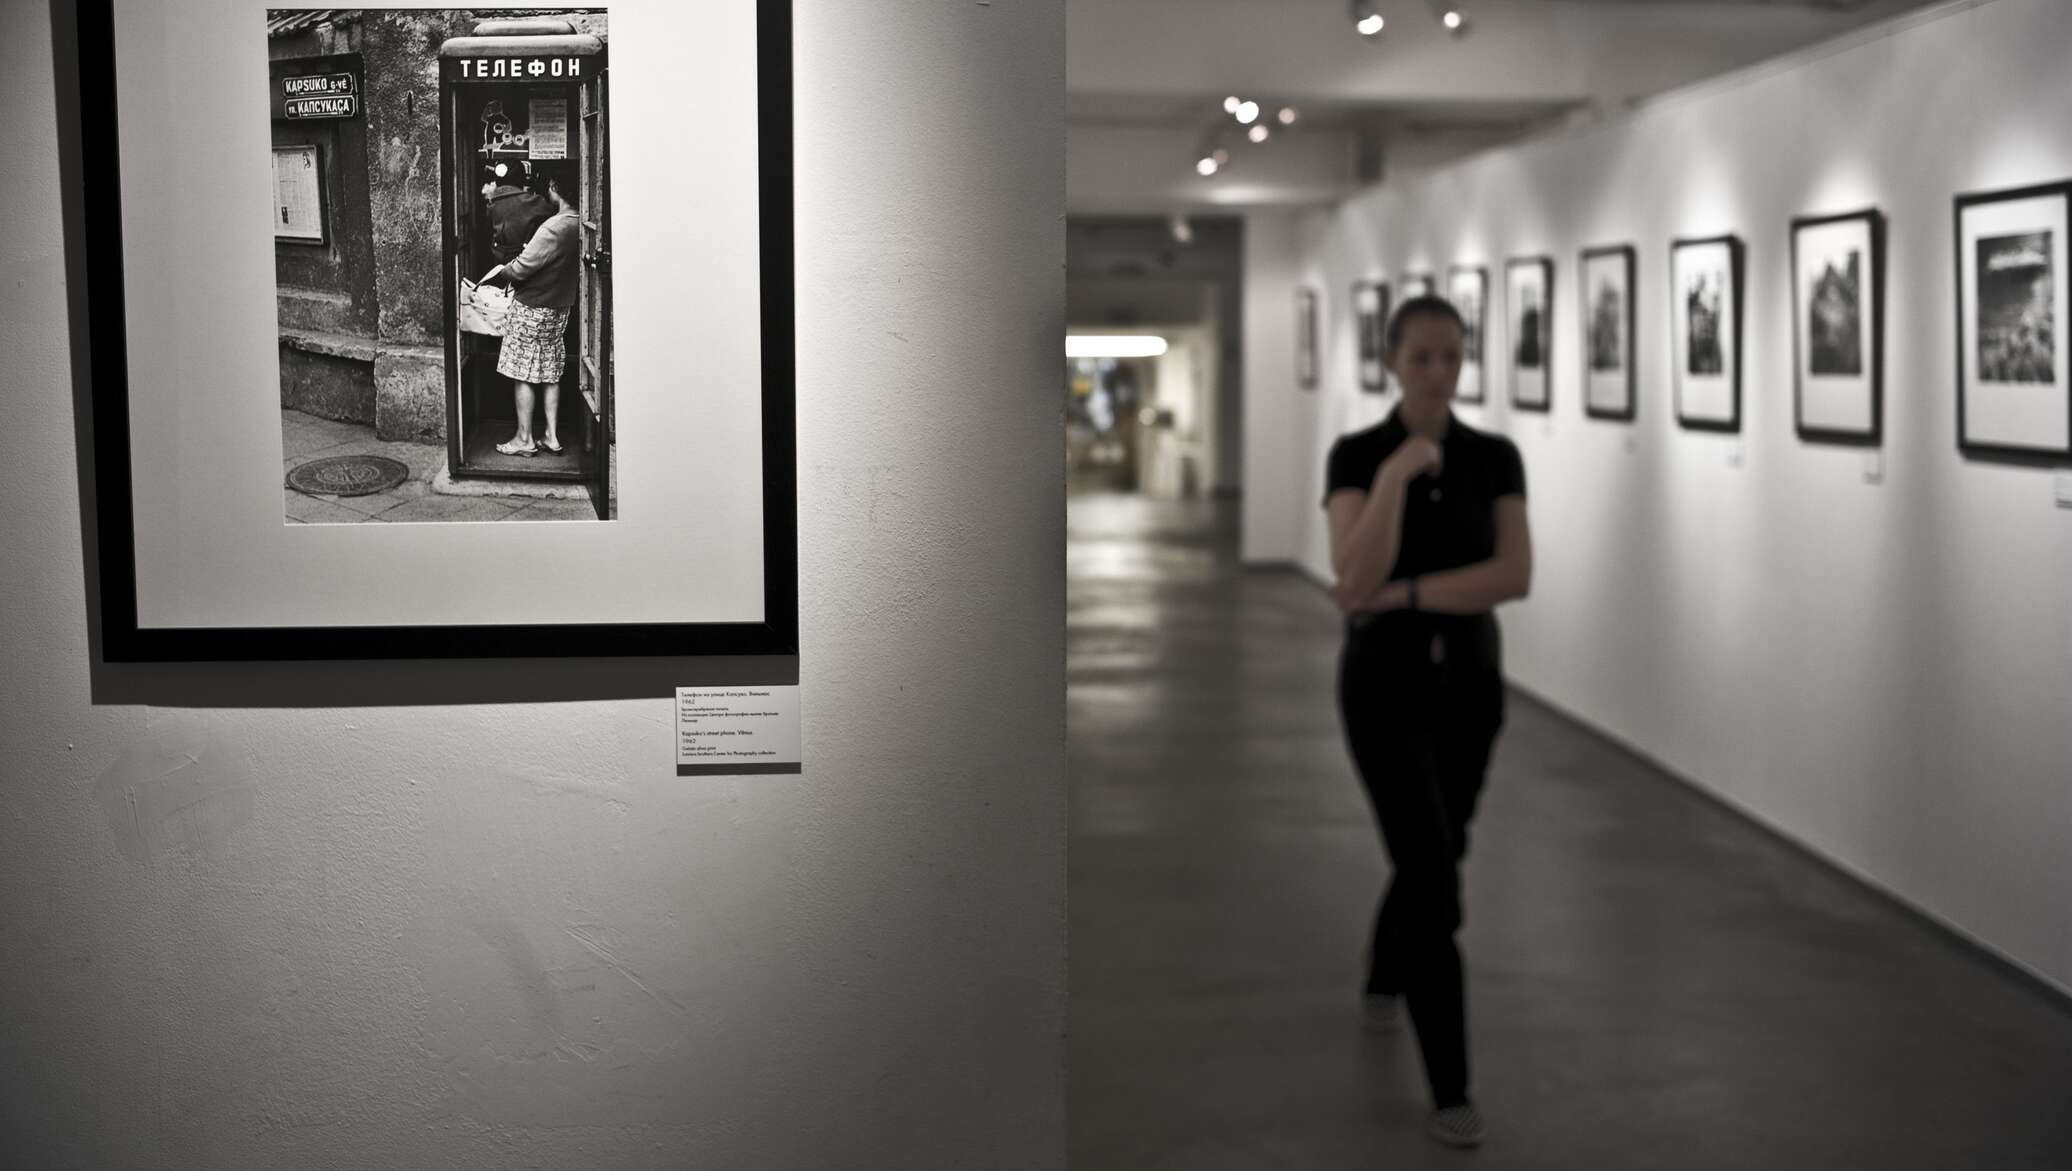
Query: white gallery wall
{"x": 1871, "y": 653}
{"x": 458, "y": 932}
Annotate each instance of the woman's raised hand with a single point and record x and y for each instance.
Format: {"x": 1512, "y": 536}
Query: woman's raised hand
{"x": 1417, "y": 456}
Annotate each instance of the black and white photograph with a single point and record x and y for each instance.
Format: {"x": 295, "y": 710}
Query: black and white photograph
{"x": 2016, "y": 325}
{"x": 1371, "y": 308}
{"x": 461, "y": 336}
{"x": 462, "y": 375}
{"x": 1417, "y": 283}
{"x": 1705, "y": 327}
{"x": 1306, "y": 339}
{"x": 1608, "y": 342}
{"x": 2013, "y": 400}
{"x": 1838, "y": 323}
{"x": 1467, "y": 286}
{"x": 1529, "y": 293}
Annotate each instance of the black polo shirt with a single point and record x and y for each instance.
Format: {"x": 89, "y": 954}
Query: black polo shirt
{"x": 1449, "y": 520}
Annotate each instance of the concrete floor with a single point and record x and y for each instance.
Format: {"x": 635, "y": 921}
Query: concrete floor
{"x": 1653, "y": 982}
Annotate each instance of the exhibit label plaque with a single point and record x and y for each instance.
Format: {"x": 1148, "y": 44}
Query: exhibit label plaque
{"x": 748, "y": 725}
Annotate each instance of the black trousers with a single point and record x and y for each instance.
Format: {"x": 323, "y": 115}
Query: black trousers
{"x": 1422, "y": 696}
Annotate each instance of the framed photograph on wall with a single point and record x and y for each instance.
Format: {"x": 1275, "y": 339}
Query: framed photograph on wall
{"x": 1705, "y": 332}
{"x": 1608, "y": 378}
{"x": 2012, "y": 370}
{"x": 1838, "y": 327}
{"x": 1418, "y": 284}
{"x": 1371, "y": 309}
{"x": 1529, "y": 298}
{"x": 1306, "y": 339}
{"x": 433, "y": 407}
{"x": 1467, "y": 286}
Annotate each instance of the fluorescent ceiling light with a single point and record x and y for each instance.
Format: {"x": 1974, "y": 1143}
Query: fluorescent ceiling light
{"x": 1108, "y": 345}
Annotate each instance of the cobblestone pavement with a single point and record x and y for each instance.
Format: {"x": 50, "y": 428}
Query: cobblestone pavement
{"x": 307, "y": 437}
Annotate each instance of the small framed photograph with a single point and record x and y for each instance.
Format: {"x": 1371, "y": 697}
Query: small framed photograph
{"x": 2012, "y": 398}
{"x": 1467, "y": 286}
{"x": 1838, "y": 327}
{"x": 435, "y": 409}
{"x": 1371, "y": 309}
{"x": 1418, "y": 284}
{"x": 1705, "y": 332}
{"x": 1306, "y": 339}
{"x": 1608, "y": 379}
{"x": 1529, "y": 296}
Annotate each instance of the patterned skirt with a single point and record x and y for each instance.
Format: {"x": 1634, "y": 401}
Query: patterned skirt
{"x": 535, "y": 349}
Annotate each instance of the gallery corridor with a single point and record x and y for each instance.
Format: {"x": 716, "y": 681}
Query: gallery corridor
{"x": 1653, "y": 981}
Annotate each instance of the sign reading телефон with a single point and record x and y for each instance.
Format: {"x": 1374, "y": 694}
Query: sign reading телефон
{"x": 752, "y": 726}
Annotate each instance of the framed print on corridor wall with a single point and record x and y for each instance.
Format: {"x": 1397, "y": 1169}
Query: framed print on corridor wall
{"x": 1467, "y": 286}
{"x": 1306, "y": 338}
{"x": 1705, "y": 332}
{"x": 1608, "y": 378}
{"x": 1838, "y": 327}
{"x": 1529, "y": 298}
{"x": 1417, "y": 283}
{"x": 1371, "y": 310}
{"x": 416, "y": 392}
{"x": 2013, "y": 402}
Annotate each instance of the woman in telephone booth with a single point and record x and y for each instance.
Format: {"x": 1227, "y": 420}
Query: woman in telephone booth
{"x": 528, "y": 386}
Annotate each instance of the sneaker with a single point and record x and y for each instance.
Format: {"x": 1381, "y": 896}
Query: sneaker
{"x": 1382, "y": 1011}
{"x": 1456, "y": 1126}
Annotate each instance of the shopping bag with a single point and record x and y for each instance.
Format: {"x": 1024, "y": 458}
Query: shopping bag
{"x": 483, "y": 308}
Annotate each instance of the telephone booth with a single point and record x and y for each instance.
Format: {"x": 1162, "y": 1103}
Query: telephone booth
{"x": 529, "y": 92}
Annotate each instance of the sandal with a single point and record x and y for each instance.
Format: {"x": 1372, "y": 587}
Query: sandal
{"x": 554, "y": 448}
{"x": 512, "y": 448}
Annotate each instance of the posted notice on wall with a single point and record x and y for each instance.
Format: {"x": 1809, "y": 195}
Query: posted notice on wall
{"x": 548, "y": 128}
{"x": 751, "y": 725}
{"x": 298, "y": 194}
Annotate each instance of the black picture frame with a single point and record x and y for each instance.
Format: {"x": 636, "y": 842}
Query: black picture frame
{"x": 2055, "y": 199}
{"x": 1530, "y": 337}
{"x": 1371, "y": 308}
{"x": 1473, "y": 281}
{"x": 1865, "y": 285}
{"x": 101, "y": 259}
{"x": 1621, "y": 259}
{"x": 1729, "y": 333}
{"x": 1306, "y": 339}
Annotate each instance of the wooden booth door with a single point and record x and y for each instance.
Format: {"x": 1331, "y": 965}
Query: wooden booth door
{"x": 597, "y": 290}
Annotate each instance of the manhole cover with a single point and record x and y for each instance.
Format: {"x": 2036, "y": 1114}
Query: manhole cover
{"x": 348, "y": 475}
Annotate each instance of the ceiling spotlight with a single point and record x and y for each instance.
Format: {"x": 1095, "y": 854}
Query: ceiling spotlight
{"x": 1247, "y": 112}
{"x": 1257, "y": 133}
{"x": 1365, "y": 20}
{"x": 1206, "y": 167}
{"x": 1220, "y": 155}
{"x": 1109, "y": 345}
{"x": 1449, "y": 14}
{"x": 1230, "y": 104}
{"x": 1288, "y": 115}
